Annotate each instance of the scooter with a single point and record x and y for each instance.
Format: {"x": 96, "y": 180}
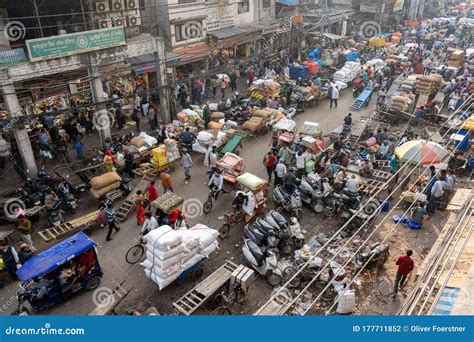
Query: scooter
{"x": 310, "y": 195}
{"x": 289, "y": 202}
{"x": 290, "y": 235}
{"x": 263, "y": 263}
{"x": 378, "y": 254}
{"x": 263, "y": 234}
{"x": 67, "y": 197}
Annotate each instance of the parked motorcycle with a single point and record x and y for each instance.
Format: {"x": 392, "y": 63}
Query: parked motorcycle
{"x": 264, "y": 263}
{"x": 348, "y": 204}
{"x": 290, "y": 235}
{"x": 55, "y": 217}
{"x": 377, "y": 253}
{"x": 66, "y": 196}
{"x": 289, "y": 202}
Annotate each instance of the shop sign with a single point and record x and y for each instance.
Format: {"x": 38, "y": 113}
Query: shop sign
{"x": 280, "y": 27}
{"x": 12, "y": 56}
{"x": 75, "y": 43}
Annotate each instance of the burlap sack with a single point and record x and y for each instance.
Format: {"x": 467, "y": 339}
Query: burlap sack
{"x": 105, "y": 180}
{"x": 217, "y": 115}
{"x": 98, "y": 193}
{"x": 260, "y": 113}
{"x": 250, "y": 126}
{"x": 137, "y": 142}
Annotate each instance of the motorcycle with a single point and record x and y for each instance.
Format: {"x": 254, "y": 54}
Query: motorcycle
{"x": 289, "y": 202}
{"x": 238, "y": 114}
{"x": 311, "y": 194}
{"x": 45, "y": 178}
{"x": 290, "y": 235}
{"x": 66, "y": 196}
{"x": 264, "y": 263}
{"x": 348, "y": 204}
{"x": 31, "y": 198}
{"x": 378, "y": 254}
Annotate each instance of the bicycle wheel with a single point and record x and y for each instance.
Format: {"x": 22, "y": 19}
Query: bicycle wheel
{"x": 134, "y": 254}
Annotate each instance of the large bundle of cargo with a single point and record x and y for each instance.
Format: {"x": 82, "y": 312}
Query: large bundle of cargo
{"x": 261, "y": 89}
{"x": 171, "y": 252}
{"x": 456, "y": 60}
{"x": 105, "y": 183}
{"x": 429, "y": 84}
{"x": 254, "y": 124}
{"x": 400, "y": 103}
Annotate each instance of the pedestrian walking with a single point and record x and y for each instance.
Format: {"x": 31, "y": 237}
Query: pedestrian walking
{"x": 211, "y": 160}
{"x": 187, "y": 162}
{"x": 214, "y": 85}
{"x": 280, "y": 172}
{"x": 25, "y": 228}
{"x": 111, "y": 221}
{"x": 151, "y": 193}
{"x": 10, "y": 259}
{"x": 392, "y": 183}
{"x": 405, "y": 266}
{"x": 140, "y": 207}
{"x": 436, "y": 194}
{"x": 61, "y": 151}
{"x": 79, "y": 147}
{"x": 109, "y": 161}
{"x": 206, "y": 115}
{"x": 166, "y": 181}
{"x": 233, "y": 82}
{"x": 223, "y": 86}
{"x": 334, "y": 96}
{"x": 136, "y": 117}
{"x": 269, "y": 161}
{"x": 145, "y": 105}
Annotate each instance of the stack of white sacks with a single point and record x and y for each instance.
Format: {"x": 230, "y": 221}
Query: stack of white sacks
{"x": 171, "y": 252}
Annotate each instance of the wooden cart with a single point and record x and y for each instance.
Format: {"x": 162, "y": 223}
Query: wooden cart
{"x": 67, "y": 174}
{"x": 84, "y": 223}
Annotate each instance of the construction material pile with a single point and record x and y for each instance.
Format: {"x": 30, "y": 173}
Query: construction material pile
{"x": 171, "y": 252}
{"x": 105, "y": 183}
{"x": 429, "y": 84}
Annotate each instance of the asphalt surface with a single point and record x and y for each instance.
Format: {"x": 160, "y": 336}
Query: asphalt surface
{"x": 145, "y": 293}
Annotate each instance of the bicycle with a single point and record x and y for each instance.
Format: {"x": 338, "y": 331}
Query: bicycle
{"x": 136, "y": 252}
{"x": 223, "y": 300}
{"x": 231, "y": 218}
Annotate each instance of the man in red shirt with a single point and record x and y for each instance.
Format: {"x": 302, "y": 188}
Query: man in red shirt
{"x": 152, "y": 193}
{"x": 269, "y": 162}
{"x": 405, "y": 266}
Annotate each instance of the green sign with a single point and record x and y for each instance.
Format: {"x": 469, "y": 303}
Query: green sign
{"x": 75, "y": 43}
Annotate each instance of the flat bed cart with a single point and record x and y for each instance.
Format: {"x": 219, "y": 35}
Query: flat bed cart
{"x": 67, "y": 228}
{"x": 70, "y": 177}
{"x": 212, "y": 285}
{"x": 233, "y": 144}
{"x": 151, "y": 169}
{"x": 362, "y": 99}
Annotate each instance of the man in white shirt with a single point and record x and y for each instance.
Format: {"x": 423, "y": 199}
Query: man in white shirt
{"x": 340, "y": 178}
{"x": 301, "y": 163}
{"x": 216, "y": 183}
{"x": 334, "y": 95}
{"x": 149, "y": 224}
{"x": 436, "y": 195}
{"x": 280, "y": 172}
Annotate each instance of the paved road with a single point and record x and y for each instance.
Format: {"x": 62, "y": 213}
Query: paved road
{"x": 112, "y": 254}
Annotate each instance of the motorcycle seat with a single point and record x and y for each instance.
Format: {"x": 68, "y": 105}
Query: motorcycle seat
{"x": 256, "y": 252}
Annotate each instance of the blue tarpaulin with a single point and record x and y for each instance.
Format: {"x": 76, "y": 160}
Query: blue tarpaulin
{"x": 299, "y": 72}
{"x": 50, "y": 259}
{"x": 315, "y": 53}
{"x": 352, "y": 56}
{"x": 320, "y": 62}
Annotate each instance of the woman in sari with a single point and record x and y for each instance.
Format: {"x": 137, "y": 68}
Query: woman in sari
{"x": 109, "y": 161}
{"x": 140, "y": 207}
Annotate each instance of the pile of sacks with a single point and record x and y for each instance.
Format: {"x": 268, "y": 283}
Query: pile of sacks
{"x": 171, "y": 252}
{"x": 429, "y": 84}
{"x": 347, "y": 73}
{"x": 255, "y": 123}
{"x": 265, "y": 88}
{"x": 456, "y": 59}
{"x": 102, "y": 184}
{"x": 141, "y": 143}
{"x": 400, "y": 103}
{"x": 409, "y": 83}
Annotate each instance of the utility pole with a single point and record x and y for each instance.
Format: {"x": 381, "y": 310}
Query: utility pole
{"x": 162, "y": 79}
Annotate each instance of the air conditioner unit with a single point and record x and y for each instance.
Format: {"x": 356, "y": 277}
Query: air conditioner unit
{"x": 131, "y": 4}
{"x": 133, "y": 18}
{"x": 117, "y": 5}
{"x": 102, "y": 6}
{"x": 117, "y": 20}
{"x": 104, "y": 23}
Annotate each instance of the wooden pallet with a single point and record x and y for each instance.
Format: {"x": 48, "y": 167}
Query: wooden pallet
{"x": 380, "y": 175}
{"x": 370, "y": 187}
{"x": 70, "y": 227}
{"x": 128, "y": 204}
{"x": 195, "y": 298}
{"x": 113, "y": 195}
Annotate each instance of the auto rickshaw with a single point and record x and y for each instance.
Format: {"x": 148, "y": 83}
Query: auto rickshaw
{"x": 310, "y": 135}
{"x": 232, "y": 166}
{"x": 284, "y": 132}
{"x": 57, "y": 273}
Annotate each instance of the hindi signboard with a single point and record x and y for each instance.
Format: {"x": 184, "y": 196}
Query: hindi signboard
{"x": 75, "y": 43}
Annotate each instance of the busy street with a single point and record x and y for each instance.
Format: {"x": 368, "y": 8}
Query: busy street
{"x": 286, "y": 170}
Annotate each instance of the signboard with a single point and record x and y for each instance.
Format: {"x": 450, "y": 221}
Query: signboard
{"x": 75, "y": 43}
{"x": 398, "y": 6}
{"x": 12, "y": 56}
{"x": 219, "y": 18}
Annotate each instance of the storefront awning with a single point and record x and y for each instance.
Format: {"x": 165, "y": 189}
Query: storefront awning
{"x": 227, "y": 32}
{"x": 288, "y": 2}
{"x": 146, "y": 63}
{"x": 194, "y": 53}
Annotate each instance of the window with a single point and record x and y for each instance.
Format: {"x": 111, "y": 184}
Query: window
{"x": 243, "y": 6}
{"x": 267, "y": 3}
{"x": 188, "y": 30}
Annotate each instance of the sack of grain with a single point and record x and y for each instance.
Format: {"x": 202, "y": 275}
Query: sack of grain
{"x": 137, "y": 142}
{"x": 215, "y": 125}
{"x": 261, "y": 113}
{"x": 217, "y": 116}
{"x": 257, "y": 120}
{"x": 98, "y": 193}
{"x": 251, "y": 126}
{"x": 104, "y": 180}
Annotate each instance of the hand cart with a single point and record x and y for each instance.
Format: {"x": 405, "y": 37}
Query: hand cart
{"x": 228, "y": 284}
{"x": 70, "y": 177}
{"x": 233, "y": 144}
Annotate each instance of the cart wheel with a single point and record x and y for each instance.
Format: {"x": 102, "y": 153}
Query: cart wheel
{"x": 273, "y": 279}
{"x": 240, "y": 297}
{"x": 92, "y": 283}
{"x": 198, "y": 273}
{"x": 207, "y": 207}
{"x": 370, "y": 207}
{"x": 222, "y": 311}
{"x": 224, "y": 231}
{"x": 134, "y": 254}
{"x": 318, "y": 208}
